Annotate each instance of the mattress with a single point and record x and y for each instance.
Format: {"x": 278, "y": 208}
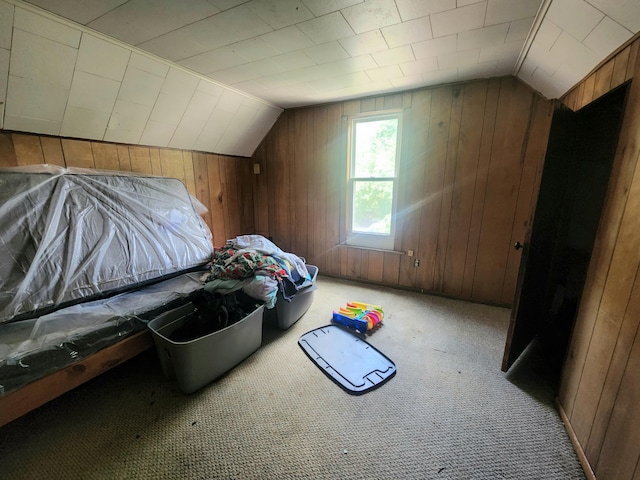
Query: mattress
{"x": 68, "y": 237}
{"x": 88, "y": 258}
{"x": 33, "y": 348}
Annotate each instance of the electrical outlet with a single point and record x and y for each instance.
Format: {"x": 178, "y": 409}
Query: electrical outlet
{"x": 416, "y": 263}
{"x": 410, "y": 253}
{"x": 256, "y": 168}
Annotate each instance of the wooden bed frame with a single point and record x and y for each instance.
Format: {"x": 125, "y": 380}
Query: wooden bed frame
{"x": 39, "y": 392}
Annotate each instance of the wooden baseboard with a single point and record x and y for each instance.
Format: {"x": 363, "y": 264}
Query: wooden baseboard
{"x": 588, "y": 471}
{"x": 39, "y": 392}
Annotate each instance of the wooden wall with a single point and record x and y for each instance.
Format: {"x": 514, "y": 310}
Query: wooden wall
{"x": 219, "y": 182}
{"x": 470, "y": 170}
{"x": 600, "y": 388}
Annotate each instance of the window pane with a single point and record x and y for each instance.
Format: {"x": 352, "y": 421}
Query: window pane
{"x": 375, "y": 148}
{"x": 372, "y": 202}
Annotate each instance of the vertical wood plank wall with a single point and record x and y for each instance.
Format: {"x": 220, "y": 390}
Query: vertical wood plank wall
{"x": 218, "y": 181}
{"x": 600, "y": 387}
{"x": 470, "y": 170}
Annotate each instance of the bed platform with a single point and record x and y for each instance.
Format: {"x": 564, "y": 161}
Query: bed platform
{"x": 45, "y": 389}
{"x": 88, "y": 259}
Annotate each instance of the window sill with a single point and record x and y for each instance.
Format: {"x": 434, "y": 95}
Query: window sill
{"x": 382, "y": 250}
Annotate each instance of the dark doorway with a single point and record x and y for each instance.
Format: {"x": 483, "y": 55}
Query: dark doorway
{"x": 556, "y": 255}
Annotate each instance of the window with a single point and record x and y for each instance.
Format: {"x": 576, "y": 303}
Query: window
{"x": 374, "y": 153}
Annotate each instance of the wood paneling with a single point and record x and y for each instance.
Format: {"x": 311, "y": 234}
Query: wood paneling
{"x": 124, "y": 159}
{"x": 428, "y": 274}
{"x": 45, "y": 389}
{"x": 52, "y": 150}
{"x": 600, "y": 387}
{"x": 468, "y": 179}
{"x": 105, "y": 156}
{"x": 260, "y": 207}
{"x": 28, "y": 150}
{"x": 216, "y": 199}
{"x": 223, "y": 184}
{"x": 77, "y": 153}
{"x": 611, "y": 74}
{"x": 140, "y": 160}
{"x": 480, "y": 186}
{"x": 201, "y": 179}
{"x": 528, "y": 192}
{"x": 464, "y": 175}
{"x": 333, "y": 173}
{"x": 412, "y": 168}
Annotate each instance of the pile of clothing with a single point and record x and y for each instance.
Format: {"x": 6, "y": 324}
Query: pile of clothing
{"x": 255, "y": 265}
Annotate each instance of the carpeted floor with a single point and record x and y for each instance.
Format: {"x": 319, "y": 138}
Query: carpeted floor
{"x": 449, "y": 413}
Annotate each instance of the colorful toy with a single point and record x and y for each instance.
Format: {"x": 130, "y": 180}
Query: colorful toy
{"x": 359, "y": 316}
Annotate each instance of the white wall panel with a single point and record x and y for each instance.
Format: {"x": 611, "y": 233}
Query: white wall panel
{"x": 157, "y": 133}
{"x": 187, "y": 132}
{"x": 194, "y": 119}
{"x": 283, "y": 50}
{"x": 33, "y": 125}
{"x": 606, "y": 37}
{"x": 364, "y": 43}
{"x": 82, "y": 122}
{"x": 81, "y": 12}
{"x": 40, "y": 75}
{"x": 149, "y": 65}
{"x": 410, "y": 9}
{"x": 6, "y": 24}
{"x": 42, "y": 60}
{"x": 44, "y": 27}
{"x": 500, "y": 11}
{"x": 59, "y": 78}
{"x": 571, "y": 39}
{"x": 139, "y": 20}
{"x": 405, "y": 33}
{"x": 326, "y": 28}
{"x": 577, "y": 17}
{"x": 35, "y": 99}
{"x": 102, "y": 58}
{"x": 129, "y": 116}
{"x": 4, "y": 78}
{"x": 459, "y": 20}
{"x": 212, "y": 131}
{"x": 140, "y": 87}
{"x": 367, "y": 16}
{"x": 625, "y": 12}
{"x": 122, "y": 136}
{"x": 93, "y": 92}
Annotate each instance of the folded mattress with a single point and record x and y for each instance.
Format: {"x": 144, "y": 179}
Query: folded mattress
{"x": 33, "y": 348}
{"x": 69, "y": 236}
{"x": 88, "y": 258}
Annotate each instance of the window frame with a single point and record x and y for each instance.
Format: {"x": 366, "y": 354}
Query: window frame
{"x": 372, "y": 240}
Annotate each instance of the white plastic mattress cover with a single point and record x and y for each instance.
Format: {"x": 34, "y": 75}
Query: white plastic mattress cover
{"x": 33, "y": 348}
{"x": 71, "y": 235}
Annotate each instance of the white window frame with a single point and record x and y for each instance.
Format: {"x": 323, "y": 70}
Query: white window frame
{"x": 372, "y": 240}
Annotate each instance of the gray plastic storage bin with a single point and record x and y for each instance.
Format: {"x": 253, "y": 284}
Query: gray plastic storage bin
{"x": 198, "y": 362}
{"x": 285, "y": 314}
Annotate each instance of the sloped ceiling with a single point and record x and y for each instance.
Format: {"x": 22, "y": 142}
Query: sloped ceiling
{"x": 214, "y": 75}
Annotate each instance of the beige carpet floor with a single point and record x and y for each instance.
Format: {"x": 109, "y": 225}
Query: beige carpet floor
{"x": 449, "y": 413}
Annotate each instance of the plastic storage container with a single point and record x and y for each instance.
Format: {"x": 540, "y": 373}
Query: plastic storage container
{"x": 285, "y": 314}
{"x": 198, "y": 362}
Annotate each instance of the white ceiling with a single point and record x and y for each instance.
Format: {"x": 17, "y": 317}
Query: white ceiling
{"x": 299, "y": 52}
{"x": 280, "y": 53}
{"x": 62, "y": 79}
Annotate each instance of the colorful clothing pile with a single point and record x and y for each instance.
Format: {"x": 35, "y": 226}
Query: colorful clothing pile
{"x": 229, "y": 263}
{"x": 256, "y": 266}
